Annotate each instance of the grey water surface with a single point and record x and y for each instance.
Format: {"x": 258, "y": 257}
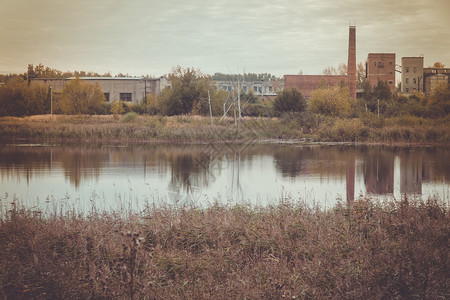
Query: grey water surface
{"x": 132, "y": 177}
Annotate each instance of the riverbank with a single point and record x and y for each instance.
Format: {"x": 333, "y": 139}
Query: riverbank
{"x": 134, "y": 128}
{"x": 396, "y": 249}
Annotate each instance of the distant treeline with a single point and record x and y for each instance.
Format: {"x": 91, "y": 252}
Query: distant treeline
{"x": 41, "y": 71}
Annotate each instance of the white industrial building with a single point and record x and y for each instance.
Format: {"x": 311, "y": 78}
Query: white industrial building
{"x": 129, "y": 89}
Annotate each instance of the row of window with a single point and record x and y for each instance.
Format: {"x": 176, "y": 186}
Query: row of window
{"x": 414, "y": 69}
{"x": 407, "y": 81}
{"x": 381, "y": 64}
{"x": 256, "y": 88}
{"x": 122, "y": 96}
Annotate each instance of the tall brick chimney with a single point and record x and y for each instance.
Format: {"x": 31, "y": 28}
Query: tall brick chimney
{"x": 351, "y": 65}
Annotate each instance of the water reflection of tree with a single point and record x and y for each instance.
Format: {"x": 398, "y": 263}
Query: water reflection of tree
{"x": 378, "y": 168}
{"x": 289, "y": 160}
{"x": 81, "y": 163}
{"x": 77, "y": 162}
{"x": 28, "y": 162}
{"x": 189, "y": 171}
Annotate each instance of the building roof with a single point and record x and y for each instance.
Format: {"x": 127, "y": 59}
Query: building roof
{"x": 111, "y": 78}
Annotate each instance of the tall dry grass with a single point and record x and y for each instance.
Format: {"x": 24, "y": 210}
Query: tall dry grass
{"x": 376, "y": 250}
{"x": 132, "y": 127}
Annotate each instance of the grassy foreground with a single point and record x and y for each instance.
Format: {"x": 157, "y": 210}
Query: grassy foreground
{"x": 131, "y": 127}
{"x": 389, "y": 250}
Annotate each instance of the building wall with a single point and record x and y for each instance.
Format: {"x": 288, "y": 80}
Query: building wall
{"x": 113, "y": 87}
{"x": 258, "y": 88}
{"x": 412, "y": 75}
{"x": 306, "y": 84}
{"x": 434, "y": 77}
{"x": 381, "y": 67}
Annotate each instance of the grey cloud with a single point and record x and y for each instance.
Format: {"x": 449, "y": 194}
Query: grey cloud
{"x": 263, "y": 36}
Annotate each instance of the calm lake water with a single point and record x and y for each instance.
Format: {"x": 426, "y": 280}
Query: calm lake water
{"x": 111, "y": 177}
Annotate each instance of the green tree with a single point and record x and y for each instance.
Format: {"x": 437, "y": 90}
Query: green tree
{"x": 189, "y": 93}
{"x": 80, "y": 97}
{"x": 376, "y": 97}
{"x": 289, "y": 101}
{"x": 439, "y": 101}
{"x": 332, "y": 101}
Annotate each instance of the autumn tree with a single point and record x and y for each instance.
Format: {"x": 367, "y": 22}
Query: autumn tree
{"x": 332, "y": 101}
{"x": 438, "y": 65}
{"x": 81, "y": 97}
{"x": 17, "y": 98}
{"x": 439, "y": 101}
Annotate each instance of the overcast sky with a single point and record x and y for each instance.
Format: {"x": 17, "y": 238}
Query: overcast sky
{"x": 143, "y": 37}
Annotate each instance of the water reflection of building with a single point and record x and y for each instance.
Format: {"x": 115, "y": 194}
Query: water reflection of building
{"x": 379, "y": 172}
{"x": 411, "y": 172}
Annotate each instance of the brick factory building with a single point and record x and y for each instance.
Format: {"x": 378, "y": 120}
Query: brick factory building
{"x": 381, "y": 67}
{"x": 306, "y": 84}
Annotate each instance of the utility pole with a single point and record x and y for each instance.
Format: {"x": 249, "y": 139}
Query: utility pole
{"x": 145, "y": 91}
{"x": 210, "y": 110}
{"x": 51, "y": 100}
{"x": 378, "y": 107}
{"x": 239, "y": 101}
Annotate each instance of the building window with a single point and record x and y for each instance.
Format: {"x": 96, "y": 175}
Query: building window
{"x": 229, "y": 88}
{"x": 390, "y": 72}
{"x": 407, "y": 90}
{"x": 375, "y": 64}
{"x": 245, "y": 88}
{"x": 380, "y": 64}
{"x": 415, "y": 69}
{"x": 255, "y": 88}
{"x": 390, "y": 63}
{"x": 260, "y": 89}
{"x": 125, "y": 96}
{"x": 270, "y": 88}
{"x": 106, "y": 96}
{"x": 406, "y": 80}
{"x": 414, "y": 81}
{"x": 224, "y": 88}
{"x": 407, "y": 69}
{"x": 390, "y": 82}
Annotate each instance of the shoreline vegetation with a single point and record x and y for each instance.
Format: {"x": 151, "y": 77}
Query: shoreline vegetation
{"x": 392, "y": 249}
{"x": 293, "y": 127}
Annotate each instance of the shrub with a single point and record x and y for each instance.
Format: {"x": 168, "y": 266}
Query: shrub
{"x": 330, "y": 101}
{"x": 345, "y": 130}
{"x": 129, "y": 117}
{"x": 372, "y": 120}
{"x": 117, "y": 108}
